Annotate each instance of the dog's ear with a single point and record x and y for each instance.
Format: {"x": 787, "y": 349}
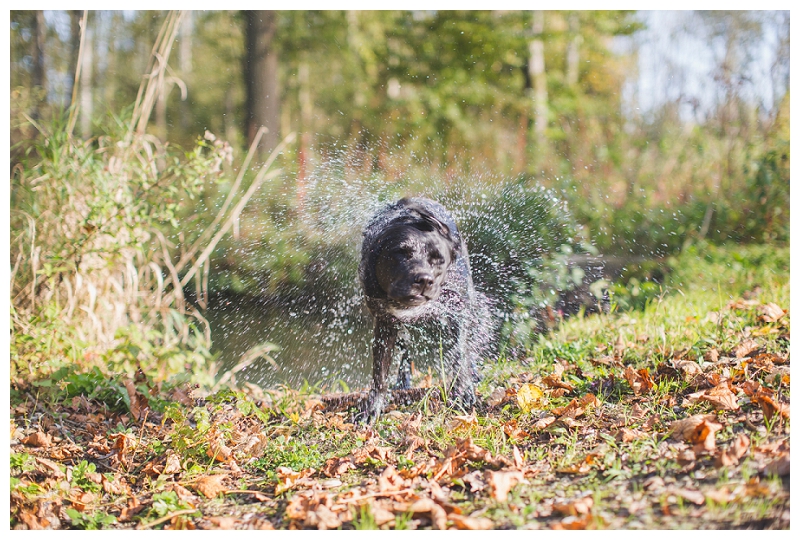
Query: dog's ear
{"x": 429, "y": 222}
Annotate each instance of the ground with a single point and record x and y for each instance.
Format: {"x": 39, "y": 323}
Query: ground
{"x": 674, "y": 416}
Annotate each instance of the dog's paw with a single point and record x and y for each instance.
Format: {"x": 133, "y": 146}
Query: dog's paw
{"x": 370, "y": 410}
{"x": 464, "y": 399}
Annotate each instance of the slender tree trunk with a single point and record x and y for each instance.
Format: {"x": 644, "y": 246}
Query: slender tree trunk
{"x": 37, "y": 54}
{"x": 261, "y": 78}
{"x": 86, "y": 98}
{"x": 185, "y": 64}
{"x": 74, "y": 46}
{"x": 573, "y": 49}
{"x": 539, "y": 81}
{"x": 306, "y": 113}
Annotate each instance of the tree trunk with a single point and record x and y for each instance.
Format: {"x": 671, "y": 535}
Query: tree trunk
{"x": 261, "y": 78}
{"x": 37, "y": 54}
{"x": 185, "y": 65}
{"x": 74, "y": 46}
{"x": 539, "y": 81}
{"x": 573, "y": 49}
{"x": 86, "y": 99}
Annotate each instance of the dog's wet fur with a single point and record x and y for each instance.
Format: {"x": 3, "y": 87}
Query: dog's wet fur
{"x": 414, "y": 266}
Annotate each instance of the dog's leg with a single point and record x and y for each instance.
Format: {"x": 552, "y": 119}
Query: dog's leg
{"x": 404, "y": 372}
{"x": 382, "y": 347}
{"x": 460, "y": 360}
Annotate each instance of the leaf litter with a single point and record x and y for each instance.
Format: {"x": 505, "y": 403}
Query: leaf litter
{"x": 561, "y": 447}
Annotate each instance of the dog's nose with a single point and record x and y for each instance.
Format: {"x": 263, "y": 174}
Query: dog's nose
{"x": 424, "y": 279}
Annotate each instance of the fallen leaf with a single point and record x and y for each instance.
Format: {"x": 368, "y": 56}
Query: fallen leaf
{"x": 690, "y": 495}
{"x": 467, "y": 523}
{"x": 573, "y": 523}
{"x": 543, "y": 423}
{"x": 627, "y": 435}
{"x": 529, "y": 397}
{"x": 511, "y": 429}
{"x": 779, "y": 465}
{"x": 501, "y": 482}
{"x": 721, "y": 397}
{"x": 745, "y": 348}
{"x": 737, "y": 450}
{"x": 139, "y": 404}
{"x": 575, "y": 507}
{"x": 173, "y": 464}
{"x": 466, "y": 422}
{"x": 53, "y": 468}
{"x": 389, "y": 480}
{"x": 336, "y": 466}
{"x": 223, "y": 522}
{"x": 380, "y": 515}
{"x": 212, "y": 485}
{"x": 771, "y": 312}
{"x": 639, "y": 380}
{"x": 475, "y": 480}
{"x": 37, "y": 439}
{"x": 698, "y": 429}
{"x": 438, "y": 514}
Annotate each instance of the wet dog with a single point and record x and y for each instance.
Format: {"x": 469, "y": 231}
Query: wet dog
{"x": 414, "y": 266}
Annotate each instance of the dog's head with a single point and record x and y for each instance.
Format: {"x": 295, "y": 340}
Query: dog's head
{"x": 413, "y": 256}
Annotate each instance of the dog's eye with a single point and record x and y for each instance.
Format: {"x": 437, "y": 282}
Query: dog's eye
{"x": 436, "y": 258}
{"x": 404, "y": 251}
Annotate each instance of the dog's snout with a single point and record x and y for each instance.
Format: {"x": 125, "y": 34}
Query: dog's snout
{"x": 424, "y": 279}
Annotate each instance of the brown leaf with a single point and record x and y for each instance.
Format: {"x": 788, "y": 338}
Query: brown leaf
{"x": 721, "y": 397}
{"x": 771, "y": 312}
{"x": 173, "y": 464}
{"x": 438, "y": 514}
{"x": 627, "y": 435}
{"x": 475, "y": 480}
{"x": 690, "y": 371}
{"x": 501, "y": 482}
{"x": 690, "y": 495}
{"x": 223, "y": 522}
{"x": 462, "y": 422}
{"x": 554, "y": 380}
{"x": 575, "y": 507}
{"x": 639, "y": 380}
{"x": 513, "y": 431}
{"x": 745, "y": 348}
{"x": 81, "y": 500}
{"x": 467, "y": 523}
{"x": 770, "y": 407}
{"x": 322, "y": 518}
{"x": 543, "y": 423}
{"x": 184, "y": 494}
{"x": 139, "y": 404}
{"x": 577, "y": 407}
{"x": 573, "y": 523}
{"x": 335, "y": 466}
{"x": 698, "y": 429}
{"x": 389, "y": 480}
{"x": 37, "y": 439}
{"x": 212, "y": 485}
{"x": 779, "y": 465}
{"x": 52, "y": 467}
{"x": 380, "y": 515}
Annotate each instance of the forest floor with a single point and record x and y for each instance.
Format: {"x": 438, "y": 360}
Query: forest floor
{"x": 675, "y": 416}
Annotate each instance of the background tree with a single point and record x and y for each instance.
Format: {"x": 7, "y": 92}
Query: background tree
{"x": 261, "y": 77}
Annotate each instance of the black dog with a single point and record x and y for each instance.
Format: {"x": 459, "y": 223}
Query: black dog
{"x": 414, "y": 266}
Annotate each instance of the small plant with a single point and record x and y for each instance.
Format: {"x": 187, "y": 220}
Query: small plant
{"x": 98, "y": 520}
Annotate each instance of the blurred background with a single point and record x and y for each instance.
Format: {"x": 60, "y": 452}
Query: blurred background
{"x": 562, "y": 139}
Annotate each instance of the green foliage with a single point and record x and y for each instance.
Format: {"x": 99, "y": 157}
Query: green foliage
{"x": 293, "y": 453}
{"x": 90, "y": 522}
{"x": 80, "y": 478}
{"x": 23, "y": 462}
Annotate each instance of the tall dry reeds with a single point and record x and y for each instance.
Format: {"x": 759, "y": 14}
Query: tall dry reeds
{"x": 106, "y": 235}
